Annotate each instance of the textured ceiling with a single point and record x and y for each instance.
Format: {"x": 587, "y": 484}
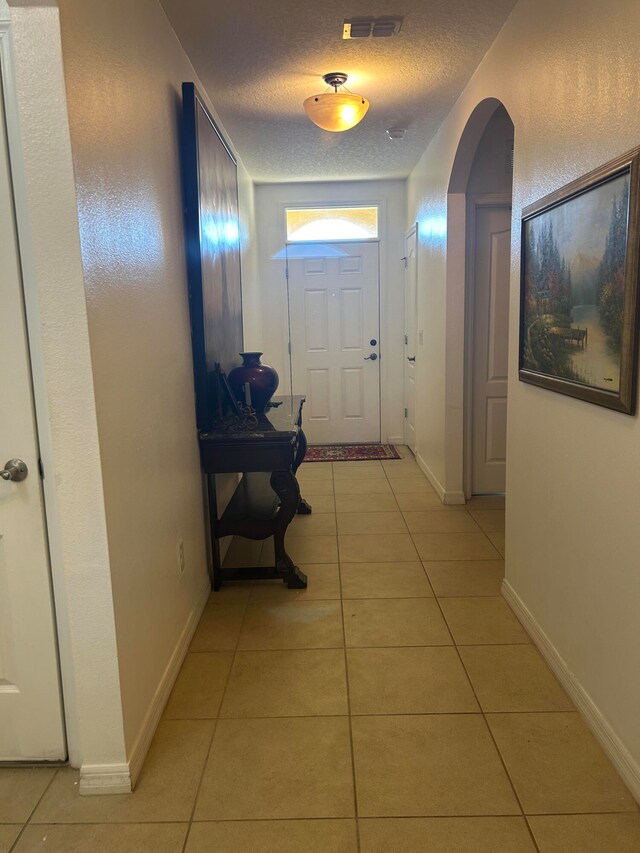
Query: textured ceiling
{"x": 259, "y": 59}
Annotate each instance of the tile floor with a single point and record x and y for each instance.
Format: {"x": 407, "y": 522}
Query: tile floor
{"x": 395, "y": 706}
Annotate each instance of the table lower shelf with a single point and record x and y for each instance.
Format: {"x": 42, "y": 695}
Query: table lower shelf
{"x": 295, "y": 579}
{"x": 263, "y": 505}
{"x": 253, "y": 499}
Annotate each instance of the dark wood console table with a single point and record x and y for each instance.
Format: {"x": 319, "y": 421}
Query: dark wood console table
{"x": 267, "y": 497}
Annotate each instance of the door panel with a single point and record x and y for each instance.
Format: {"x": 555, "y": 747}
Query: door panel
{"x": 351, "y": 265}
{"x": 351, "y": 316}
{"x": 31, "y": 726}
{"x": 490, "y": 348}
{"x": 498, "y": 361}
{"x": 353, "y": 392}
{"x": 318, "y": 405}
{"x": 333, "y": 304}
{"x": 496, "y": 433}
{"x": 316, "y": 321}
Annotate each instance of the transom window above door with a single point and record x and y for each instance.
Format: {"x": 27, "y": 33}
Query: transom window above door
{"x": 331, "y": 223}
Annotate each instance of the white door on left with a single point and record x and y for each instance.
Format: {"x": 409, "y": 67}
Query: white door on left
{"x": 31, "y": 720}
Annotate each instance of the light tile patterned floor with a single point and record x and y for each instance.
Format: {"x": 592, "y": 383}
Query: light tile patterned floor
{"x": 395, "y": 706}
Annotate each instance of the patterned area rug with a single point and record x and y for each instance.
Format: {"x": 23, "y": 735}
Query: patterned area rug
{"x": 350, "y": 452}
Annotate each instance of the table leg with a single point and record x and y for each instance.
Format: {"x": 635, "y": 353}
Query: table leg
{"x": 300, "y": 452}
{"x": 285, "y": 485}
{"x": 304, "y": 508}
{"x": 213, "y": 524}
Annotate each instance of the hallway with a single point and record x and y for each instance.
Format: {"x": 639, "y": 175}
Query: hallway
{"x": 399, "y": 688}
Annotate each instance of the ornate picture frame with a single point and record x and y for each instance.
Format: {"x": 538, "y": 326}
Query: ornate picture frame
{"x": 579, "y": 287}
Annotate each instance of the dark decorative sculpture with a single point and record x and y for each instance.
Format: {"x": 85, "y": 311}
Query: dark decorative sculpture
{"x": 231, "y": 415}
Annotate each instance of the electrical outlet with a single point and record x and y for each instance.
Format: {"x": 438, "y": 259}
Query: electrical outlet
{"x": 181, "y": 557}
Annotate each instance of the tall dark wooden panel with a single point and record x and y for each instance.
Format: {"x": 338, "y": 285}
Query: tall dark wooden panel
{"x": 213, "y": 251}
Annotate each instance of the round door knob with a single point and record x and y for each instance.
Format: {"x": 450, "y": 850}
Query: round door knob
{"x": 15, "y": 470}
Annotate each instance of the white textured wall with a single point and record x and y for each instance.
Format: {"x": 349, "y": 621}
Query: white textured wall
{"x": 124, "y": 67}
{"x": 54, "y": 294}
{"x": 489, "y": 171}
{"x": 567, "y": 72}
{"x": 266, "y": 326}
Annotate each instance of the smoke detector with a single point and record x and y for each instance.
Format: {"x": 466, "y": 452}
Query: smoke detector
{"x": 362, "y": 28}
{"x": 396, "y": 132}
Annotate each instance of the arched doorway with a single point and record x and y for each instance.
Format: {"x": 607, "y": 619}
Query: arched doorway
{"x": 479, "y": 248}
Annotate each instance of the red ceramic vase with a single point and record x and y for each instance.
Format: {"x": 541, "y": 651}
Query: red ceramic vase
{"x": 262, "y": 381}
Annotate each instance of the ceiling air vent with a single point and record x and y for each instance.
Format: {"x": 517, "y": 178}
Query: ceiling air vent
{"x": 357, "y": 29}
{"x": 362, "y": 28}
{"x": 384, "y": 27}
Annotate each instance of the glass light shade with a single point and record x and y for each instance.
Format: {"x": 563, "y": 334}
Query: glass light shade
{"x": 336, "y": 111}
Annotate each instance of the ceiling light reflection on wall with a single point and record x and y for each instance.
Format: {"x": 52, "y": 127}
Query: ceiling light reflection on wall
{"x": 336, "y": 111}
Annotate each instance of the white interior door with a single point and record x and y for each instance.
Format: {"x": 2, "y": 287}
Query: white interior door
{"x": 490, "y": 349}
{"x": 31, "y": 722}
{"x": 335, "y": 324}
{"x": 410, "y": 335}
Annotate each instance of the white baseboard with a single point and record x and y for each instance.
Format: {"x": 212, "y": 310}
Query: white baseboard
{"x": 105, "y": 779}
{"x": 121, "y": 778}
{"x": 395, "y": 439}
{"x": 454, "y": 498}
{"x": 447, "y": 498}
{"x": 621, "y": 758}
{"x": 163, "y": 691}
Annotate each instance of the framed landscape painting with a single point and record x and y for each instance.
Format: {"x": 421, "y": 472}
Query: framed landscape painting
{"x": 579, "y": 287}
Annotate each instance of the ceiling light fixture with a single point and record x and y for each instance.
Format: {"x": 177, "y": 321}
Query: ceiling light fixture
{"x": 336, "y": 111}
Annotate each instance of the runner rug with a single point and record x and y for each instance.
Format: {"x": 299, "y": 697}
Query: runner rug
{"x": 350, "y": 452}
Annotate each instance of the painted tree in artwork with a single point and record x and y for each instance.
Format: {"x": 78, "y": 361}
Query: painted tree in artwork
{"x": 548, "y": 302}
{"x": 612, "y": 272}
{"x": 554, "y": 275}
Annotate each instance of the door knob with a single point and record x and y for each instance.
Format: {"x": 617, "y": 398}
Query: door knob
{"x": 411, "y": 358}
{"x": 15, "y": 470}
{"x": 371, "y": 357}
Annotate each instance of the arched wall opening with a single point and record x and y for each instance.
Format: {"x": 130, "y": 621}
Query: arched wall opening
{"x": 480, "y": 183}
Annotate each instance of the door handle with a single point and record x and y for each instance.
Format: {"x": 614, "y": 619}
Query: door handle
{"x": 15, "y": 470}
{"x": 411, "y": 358}
{"x": 372, "y": 357}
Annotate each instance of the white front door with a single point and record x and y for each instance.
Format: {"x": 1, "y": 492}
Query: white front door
{"x": 490, "y": 348}
{"x": 31, "y": 722}
{"x": 410, "y": 335}
{"x": 335, "y": 323}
